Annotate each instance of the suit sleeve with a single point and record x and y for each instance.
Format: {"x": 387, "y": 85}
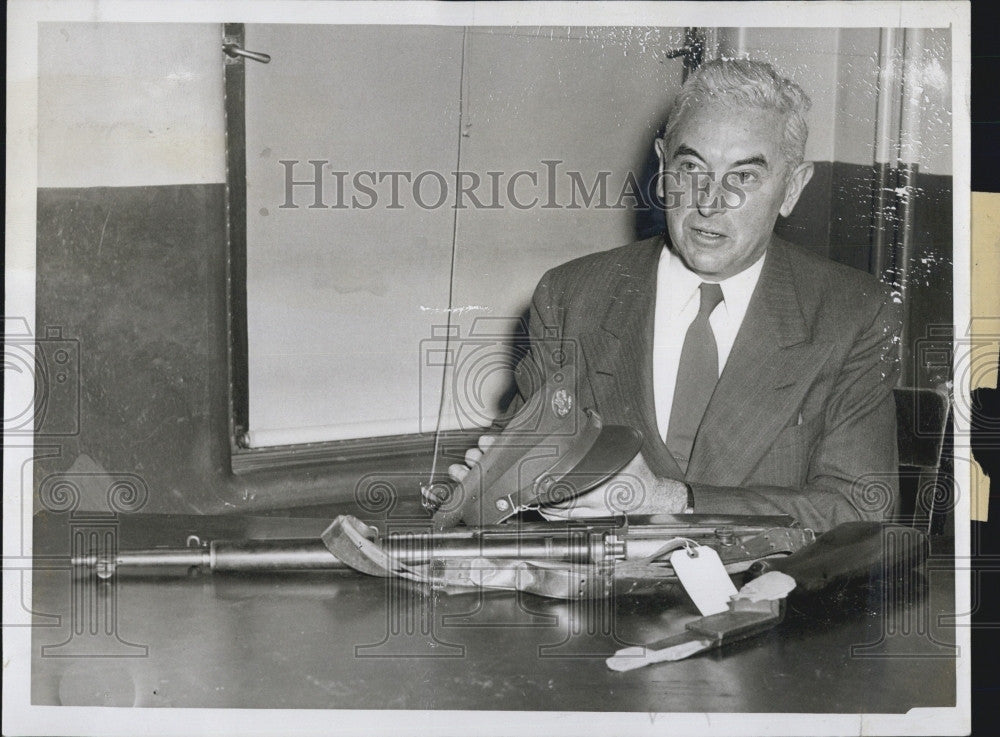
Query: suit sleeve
{"x": 544, "y": 332}
{"x": 853, "y": 471}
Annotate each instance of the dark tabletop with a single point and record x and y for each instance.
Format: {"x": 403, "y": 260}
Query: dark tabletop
{"x": 343, "y": 640}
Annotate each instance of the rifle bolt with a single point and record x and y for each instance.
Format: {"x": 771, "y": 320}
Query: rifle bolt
{"x": 725, "y": 535}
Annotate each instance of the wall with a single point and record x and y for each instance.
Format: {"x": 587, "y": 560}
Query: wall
{"x": 131, "y": 271}
{"x": 131, "y": 262}
{"x": 123, "y": 105}
{"x": 839, "y": 70}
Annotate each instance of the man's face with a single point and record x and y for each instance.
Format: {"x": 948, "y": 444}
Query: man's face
{"x": 726, "y": 182}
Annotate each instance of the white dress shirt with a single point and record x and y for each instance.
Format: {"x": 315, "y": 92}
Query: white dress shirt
{"x": 677, "y": 302}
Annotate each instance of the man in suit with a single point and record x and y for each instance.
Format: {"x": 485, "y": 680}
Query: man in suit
{"x": 760, "y": 375}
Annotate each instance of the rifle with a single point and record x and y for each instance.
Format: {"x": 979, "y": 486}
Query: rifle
{"x": 573, "y": 560}
{"x": 567, "y": 559}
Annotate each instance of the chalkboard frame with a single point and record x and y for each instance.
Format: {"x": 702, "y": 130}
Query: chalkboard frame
{"x": 243, "y": 458}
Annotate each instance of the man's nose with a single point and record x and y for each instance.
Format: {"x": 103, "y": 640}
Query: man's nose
{"x": 708, "y": 198}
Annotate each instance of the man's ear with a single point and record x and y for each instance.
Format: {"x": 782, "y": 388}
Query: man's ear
{"x": 661, "y": 154}
{"x": 797, "y": 181}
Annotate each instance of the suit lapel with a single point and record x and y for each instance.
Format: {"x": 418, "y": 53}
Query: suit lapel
{"x": 768, "y": 372}
{"x": 621, "y": 356}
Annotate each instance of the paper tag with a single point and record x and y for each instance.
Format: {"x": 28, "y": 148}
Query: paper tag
{"x": 704, "y": 578}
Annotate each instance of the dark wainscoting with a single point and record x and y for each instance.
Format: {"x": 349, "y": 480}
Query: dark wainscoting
{"x": 931, "y": 294}
{"x": 810, "y": 222}
{"x": 834, "y": 218}
{"x": 136, "y": 276}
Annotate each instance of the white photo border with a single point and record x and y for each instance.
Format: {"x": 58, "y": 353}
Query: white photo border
{"x": 20, "y": 717}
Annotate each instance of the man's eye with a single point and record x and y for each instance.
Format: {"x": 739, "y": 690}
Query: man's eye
{"x": 747, "y": 177}
{"x": 687, "y": 166}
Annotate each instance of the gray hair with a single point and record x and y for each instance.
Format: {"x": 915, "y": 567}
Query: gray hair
{"x": 747, "y": 83}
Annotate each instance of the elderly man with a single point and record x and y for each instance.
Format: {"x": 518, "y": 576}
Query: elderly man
{"x": 760, "y": 375}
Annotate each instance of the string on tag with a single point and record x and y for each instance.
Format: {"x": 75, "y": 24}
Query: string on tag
{"x": 451, "y": 272}
{"x": 691, "y": 547}
{"x": 703, "y": 577}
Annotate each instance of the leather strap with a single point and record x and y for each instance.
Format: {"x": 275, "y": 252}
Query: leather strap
{"x": 354, "y": 544}
{"x": 564, "y": 464}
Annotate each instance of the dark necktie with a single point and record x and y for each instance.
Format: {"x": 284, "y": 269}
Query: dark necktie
{"x": 697, "y": 375}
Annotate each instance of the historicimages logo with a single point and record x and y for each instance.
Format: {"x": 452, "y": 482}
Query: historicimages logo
{"x": 44, "y": 374}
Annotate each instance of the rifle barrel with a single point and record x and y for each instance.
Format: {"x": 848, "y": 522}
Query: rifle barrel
{"x": 312, "y": 554}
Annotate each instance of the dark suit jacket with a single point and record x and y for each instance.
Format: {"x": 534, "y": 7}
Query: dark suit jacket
{"x": 802, "y": 421}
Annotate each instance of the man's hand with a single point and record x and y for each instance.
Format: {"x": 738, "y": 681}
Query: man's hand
{"x": 635, "y": 490}
{"x": 434, "y": 496}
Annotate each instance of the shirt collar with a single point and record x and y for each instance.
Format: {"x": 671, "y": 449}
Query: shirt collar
{"x": 683, "y": 283}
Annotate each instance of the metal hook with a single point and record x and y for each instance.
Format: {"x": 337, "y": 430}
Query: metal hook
{"x": 692, "y": 51}
{"x": 234, "y": 52}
